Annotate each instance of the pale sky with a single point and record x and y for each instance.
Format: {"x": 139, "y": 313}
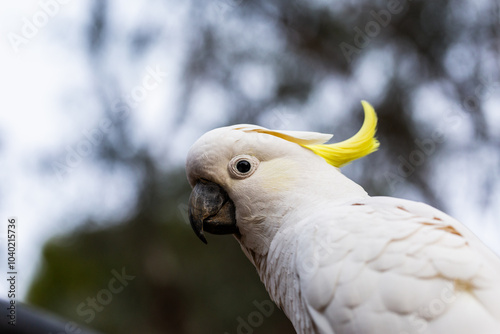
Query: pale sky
{"x": 49, "y": 106}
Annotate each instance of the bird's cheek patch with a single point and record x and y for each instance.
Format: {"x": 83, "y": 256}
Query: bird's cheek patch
{"x": 277, "y": 175}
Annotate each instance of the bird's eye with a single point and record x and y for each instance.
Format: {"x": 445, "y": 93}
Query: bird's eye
{"x": 242, "y": 166}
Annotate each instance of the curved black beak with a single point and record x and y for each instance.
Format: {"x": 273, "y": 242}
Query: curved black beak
{"x": 211, "y": 210}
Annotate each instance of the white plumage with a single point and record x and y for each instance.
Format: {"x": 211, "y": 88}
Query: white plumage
{"x": 333, "y": 258}
{"x": 384, "y": 265}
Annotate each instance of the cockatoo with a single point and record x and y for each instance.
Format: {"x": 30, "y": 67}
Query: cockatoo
{"x": 334, "y": 259}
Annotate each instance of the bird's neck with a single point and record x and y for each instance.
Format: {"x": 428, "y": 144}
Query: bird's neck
{"x": 276, "y": 271}
{"x": 260, "y": 221}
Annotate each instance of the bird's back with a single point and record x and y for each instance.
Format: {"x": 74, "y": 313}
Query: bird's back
{"x": 385, "y": 265}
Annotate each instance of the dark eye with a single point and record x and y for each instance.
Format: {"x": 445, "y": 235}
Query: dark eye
{"x": 243, "y": 166}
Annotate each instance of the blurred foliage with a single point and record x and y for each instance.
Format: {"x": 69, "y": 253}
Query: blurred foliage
{"x": 175, "y": 275}
{"x": 183, "y": 286}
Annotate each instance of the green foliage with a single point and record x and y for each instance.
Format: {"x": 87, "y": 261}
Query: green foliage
{"x": 180, "y": 284}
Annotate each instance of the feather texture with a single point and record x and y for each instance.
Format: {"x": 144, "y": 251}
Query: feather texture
{"x": 336, "y": 260}
{"x": 384, "y": 265}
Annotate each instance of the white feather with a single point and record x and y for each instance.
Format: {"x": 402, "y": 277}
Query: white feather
{"x": 338, "y": 261}
{"x": 377, "y": 281}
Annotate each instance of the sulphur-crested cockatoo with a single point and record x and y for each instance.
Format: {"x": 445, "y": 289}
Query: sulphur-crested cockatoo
{"x": 333, "y": 258}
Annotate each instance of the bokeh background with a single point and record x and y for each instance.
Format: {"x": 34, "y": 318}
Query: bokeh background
{"x": 100, "y": 101}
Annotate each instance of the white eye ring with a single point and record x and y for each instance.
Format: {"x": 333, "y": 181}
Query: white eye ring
{"x": 242, "y": 166}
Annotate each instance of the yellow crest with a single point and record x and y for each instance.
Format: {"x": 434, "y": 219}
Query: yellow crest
{"x": 336, "y": 154}
{"x": 358, "y": 146}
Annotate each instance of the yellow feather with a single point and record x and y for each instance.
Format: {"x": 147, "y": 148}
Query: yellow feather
{"x": 358, "y": 146}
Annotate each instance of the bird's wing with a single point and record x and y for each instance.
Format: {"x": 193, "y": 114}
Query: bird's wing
{"x": 385, "y": 265}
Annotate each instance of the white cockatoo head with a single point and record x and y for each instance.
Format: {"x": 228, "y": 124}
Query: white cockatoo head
{"x": 246, "y": 179}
